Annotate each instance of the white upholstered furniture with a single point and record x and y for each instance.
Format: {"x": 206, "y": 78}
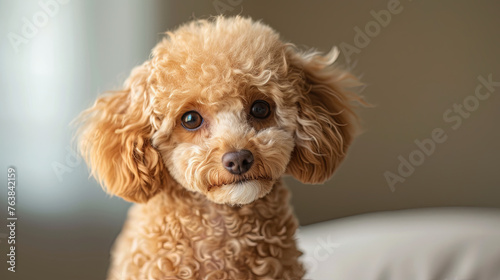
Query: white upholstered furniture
{"x": 419, "y": 244}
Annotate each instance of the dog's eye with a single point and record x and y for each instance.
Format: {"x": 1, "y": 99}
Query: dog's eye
{"x": 191, "y": 120}
{"x": 260, "y": 109}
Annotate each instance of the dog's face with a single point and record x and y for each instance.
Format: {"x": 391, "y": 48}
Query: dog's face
{"x": 223, "y": 108}
{"x": 230, "y": 134}
{"x": 231, "y": 147}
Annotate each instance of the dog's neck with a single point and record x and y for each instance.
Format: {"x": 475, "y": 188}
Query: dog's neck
{"x": 178, "y": 199}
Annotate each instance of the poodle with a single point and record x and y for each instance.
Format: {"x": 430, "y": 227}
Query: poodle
{"x": 199, "y": 138}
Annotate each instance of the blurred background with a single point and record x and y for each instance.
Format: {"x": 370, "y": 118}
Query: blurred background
{"x": 426, "y": 65}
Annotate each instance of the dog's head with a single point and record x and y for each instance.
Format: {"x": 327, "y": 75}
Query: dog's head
{"x": 223, "y": 108}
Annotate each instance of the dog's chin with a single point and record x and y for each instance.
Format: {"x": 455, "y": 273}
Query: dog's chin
{"x": 240, "y": 193}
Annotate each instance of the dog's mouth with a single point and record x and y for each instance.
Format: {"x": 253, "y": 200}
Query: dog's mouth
{"x": 240, "y": 180}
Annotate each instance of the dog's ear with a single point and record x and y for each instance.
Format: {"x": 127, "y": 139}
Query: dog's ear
{"x": 114, "y": 138}
{"x": 326, "y": 121}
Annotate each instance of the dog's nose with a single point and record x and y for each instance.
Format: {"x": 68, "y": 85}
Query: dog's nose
{"x": 238, "y": 162}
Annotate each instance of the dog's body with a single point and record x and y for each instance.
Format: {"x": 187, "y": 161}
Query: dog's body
{"x": 197, "y": 239}
{"x": 201, "y": 135}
